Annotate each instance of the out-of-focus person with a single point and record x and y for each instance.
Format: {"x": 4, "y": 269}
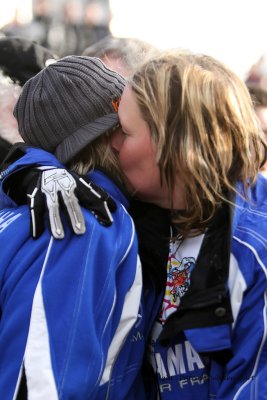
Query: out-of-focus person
{"x": 121, "y": 54}
{"x": 37, "y": 28}
{"x": 20, "y": 60}
{"x": 256, "y": 82}
{"x": 80, "y": 25}
{"x": 9, "y": 94}
{"x": 71, "y": 309}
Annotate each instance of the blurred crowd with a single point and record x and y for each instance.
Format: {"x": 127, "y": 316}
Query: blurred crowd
{"x": 65, "y": 27}
{"x": 80, "y": 29}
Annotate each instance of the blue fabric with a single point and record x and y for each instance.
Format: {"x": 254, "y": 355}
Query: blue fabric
{"x": 186, "y": 368}
{"x": 242, "y": 378}
{"x": 85, "y": 282}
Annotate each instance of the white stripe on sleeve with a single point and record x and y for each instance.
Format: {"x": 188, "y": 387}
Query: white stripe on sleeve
{"x": 37, "y": 361}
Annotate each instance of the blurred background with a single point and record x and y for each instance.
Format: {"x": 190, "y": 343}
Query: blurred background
{"x": 230, "y": 30}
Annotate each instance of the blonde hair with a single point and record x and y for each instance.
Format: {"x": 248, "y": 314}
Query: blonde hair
{"x": 98, "y": 154}
{"x": 203, "y": 123}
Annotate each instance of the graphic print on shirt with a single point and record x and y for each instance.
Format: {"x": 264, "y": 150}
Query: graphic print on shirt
{"x": 178, "y": 282}
{"x": 181, "y": 372}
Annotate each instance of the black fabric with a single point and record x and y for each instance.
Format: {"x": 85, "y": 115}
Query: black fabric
{"x": 14, "y": 153}
{"x": 21, "y": 59}
{"x": 153, "y": 231}
{"x": 23, "y": 392}
{"x": 207, "y": 302}
{"x": 27, "y": 181}
{"x": 95, "y": 203}
{"x": 13, "y": 184}
{"x": 4, "y": 149}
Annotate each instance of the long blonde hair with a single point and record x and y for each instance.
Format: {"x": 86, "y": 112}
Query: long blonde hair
{"x": 203, "y": 123}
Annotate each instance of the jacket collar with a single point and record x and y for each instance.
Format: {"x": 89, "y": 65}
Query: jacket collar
{"x": 101, "y": 179}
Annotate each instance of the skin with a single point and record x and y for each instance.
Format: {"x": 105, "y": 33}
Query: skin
{"x": 137, "y": 156}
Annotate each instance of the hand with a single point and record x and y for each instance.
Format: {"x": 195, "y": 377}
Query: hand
{"x": 59, "y": 188}
{"x": 95, "y": 199}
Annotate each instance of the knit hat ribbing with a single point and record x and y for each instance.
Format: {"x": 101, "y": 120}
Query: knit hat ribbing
{"x": 68, "y": 104}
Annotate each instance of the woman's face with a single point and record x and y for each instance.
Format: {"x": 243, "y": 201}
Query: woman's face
{"x": 137, "y": 156}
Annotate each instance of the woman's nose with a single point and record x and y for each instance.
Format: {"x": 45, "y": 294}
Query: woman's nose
{"x": 117, "y": 140}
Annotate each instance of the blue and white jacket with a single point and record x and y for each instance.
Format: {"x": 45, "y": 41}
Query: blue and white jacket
{"x": 214, "y": 347}
{"x": 222, "y": 319}
{"x": 72, "y": 310}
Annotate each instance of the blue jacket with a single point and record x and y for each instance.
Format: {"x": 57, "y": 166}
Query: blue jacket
{"x": 72, "y": 310}
{"x": 219, "y": 333}
{"x": 215, "y": 345}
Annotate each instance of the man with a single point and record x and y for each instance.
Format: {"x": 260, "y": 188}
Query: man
{"x": 75, "y": 302}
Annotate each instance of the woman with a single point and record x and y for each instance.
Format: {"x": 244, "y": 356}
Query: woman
{"x": 188, "y": 122}
{"x": 190, "y": 142}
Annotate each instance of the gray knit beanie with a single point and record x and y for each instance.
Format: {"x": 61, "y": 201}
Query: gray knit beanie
{"x": 69, "y": 104}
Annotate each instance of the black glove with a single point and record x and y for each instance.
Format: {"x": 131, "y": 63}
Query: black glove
{"x": 60, "y": 189}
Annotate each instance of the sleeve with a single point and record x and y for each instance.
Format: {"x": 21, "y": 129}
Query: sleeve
{"x": 126, "y": 316}
{"x": 245, "y": 374}
{"x": 22, "y": 157}
{"x": 94, "y": 285}
{"x": 124, "y": 288}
